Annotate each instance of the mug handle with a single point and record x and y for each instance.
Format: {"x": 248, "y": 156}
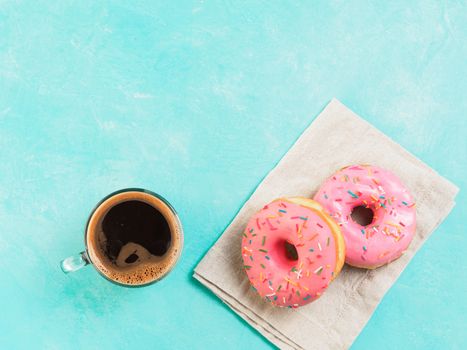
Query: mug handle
{"x": 75, "y": 262}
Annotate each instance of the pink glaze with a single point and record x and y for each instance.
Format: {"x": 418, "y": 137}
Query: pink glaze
{"x": 281, "y": 281}
{"x": 393, "y": 226}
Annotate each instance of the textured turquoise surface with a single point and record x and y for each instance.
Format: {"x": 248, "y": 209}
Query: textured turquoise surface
{"x": 198, "y": 100}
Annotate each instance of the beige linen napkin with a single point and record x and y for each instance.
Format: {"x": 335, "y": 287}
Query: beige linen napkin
{"x": 337, "y": 137}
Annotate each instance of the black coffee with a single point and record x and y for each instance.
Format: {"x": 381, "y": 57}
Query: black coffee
{"x": 137, "y": 222}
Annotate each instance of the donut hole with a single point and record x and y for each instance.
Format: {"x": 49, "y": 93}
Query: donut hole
{"x": 362, "y": 215}
{"x": 290, "y": 251}
{"x": 283, "y": 254}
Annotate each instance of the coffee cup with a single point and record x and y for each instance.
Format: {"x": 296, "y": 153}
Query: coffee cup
{"x": 133, "y": 238}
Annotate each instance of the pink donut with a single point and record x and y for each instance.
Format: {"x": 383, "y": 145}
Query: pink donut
{"x": 291, "y": 251}
{"x": 378, "y": 195}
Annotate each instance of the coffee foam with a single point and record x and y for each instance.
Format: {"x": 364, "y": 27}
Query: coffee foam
{"x": 150, "y": 268}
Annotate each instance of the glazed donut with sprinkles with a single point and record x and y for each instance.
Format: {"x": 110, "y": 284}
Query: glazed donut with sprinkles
{"x": 374, "y": 210}
{"x": 291, "y": 251}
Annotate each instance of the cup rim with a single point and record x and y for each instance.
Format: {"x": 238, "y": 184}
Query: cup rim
{"x": 163, "y": 200}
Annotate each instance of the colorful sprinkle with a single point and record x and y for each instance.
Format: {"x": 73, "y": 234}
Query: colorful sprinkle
{"x": 392, "y": 224}
{"x": 272, "y": 228}
{"x": 246, "y": 250}
{"x": 352, "y": 194}
{"x": 264, "y": 240}
{"x": 282, "y": 211}
{"x": 318, "y": 270}
{"x": 314, "y": 236}
{"x": 262, "y": 265}
{"x": 263, "y": 250}
{"x": 364, "y": 248}
{"x": 291, "y": 282}
{"x": 383, "y": 254}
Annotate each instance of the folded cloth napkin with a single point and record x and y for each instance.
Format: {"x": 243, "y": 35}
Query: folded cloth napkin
{"x": 337, "y": 138}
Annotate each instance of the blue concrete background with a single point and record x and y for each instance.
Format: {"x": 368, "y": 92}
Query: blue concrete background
{"x": 198, "y": 100}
